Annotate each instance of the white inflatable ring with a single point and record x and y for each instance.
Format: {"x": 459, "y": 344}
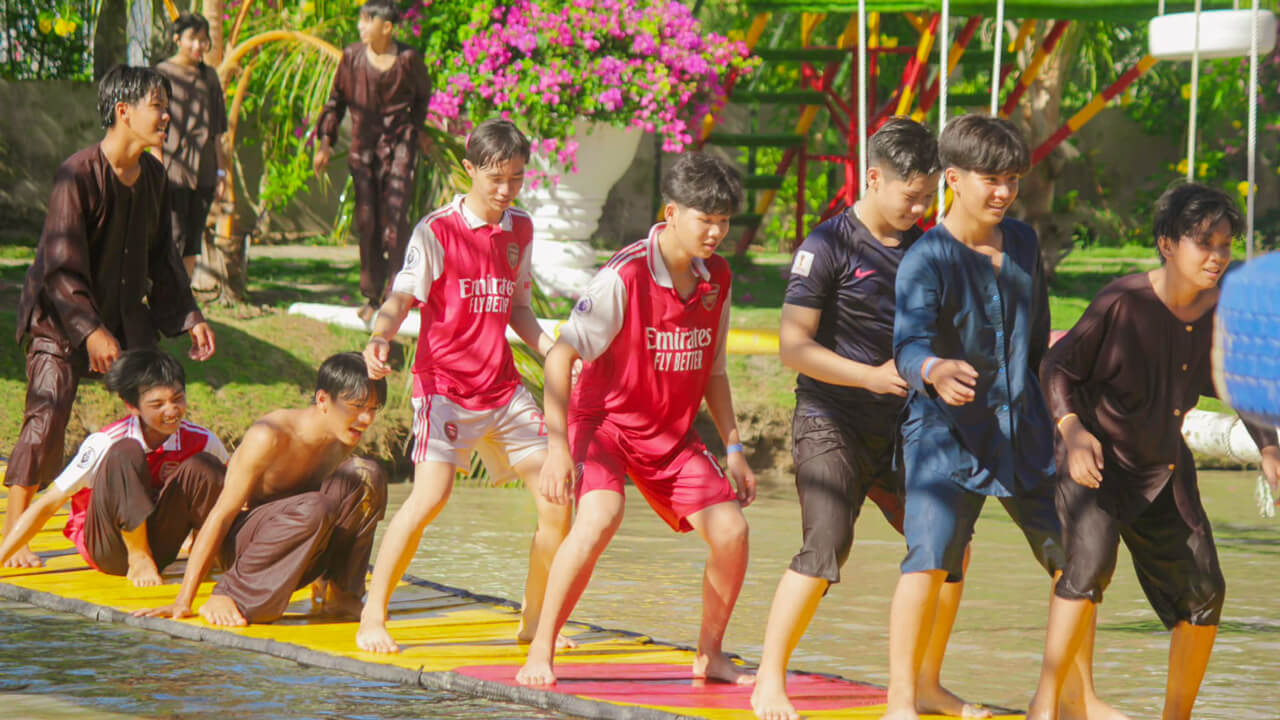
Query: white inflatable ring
{"x": 1223, "y": 34}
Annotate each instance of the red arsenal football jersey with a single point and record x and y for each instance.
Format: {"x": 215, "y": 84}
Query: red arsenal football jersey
{"x": 466, "y": 275}
{"x": 648, "y": 352}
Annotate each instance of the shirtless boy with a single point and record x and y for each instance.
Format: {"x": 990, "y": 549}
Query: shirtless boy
{"x": 294, "y": 508}
{"x": 651, "y": 329}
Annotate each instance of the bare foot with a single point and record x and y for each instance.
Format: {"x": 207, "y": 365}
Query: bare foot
{"x": 24, "y": 558}
{"x": 1094, "y": 709}
{"x": 222, "y": 611}
{"x": 143, "y": 573}
{"x": 563, "y": 642}
{"x": 770, "y": 702}
{"x": 373, "y": 637}
{"x": 938, "y": 700}
{"x": 537, "y": 673}
{"x": 329, "y": 601}
{"x": 719, "y": 667}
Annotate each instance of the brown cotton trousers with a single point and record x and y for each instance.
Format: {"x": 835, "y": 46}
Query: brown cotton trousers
{"x": 54, "y": 371}
{"x": 382, "y": 176}
{"x": 123, "y": 499}
{"x": 284, "y": 544}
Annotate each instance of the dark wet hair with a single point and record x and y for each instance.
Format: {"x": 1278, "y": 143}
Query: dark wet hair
{"x": 381, "y": 9}
{"x": 496, "y": 141}
{"x": 189, "y": 21}
{"x": 1190, "y": 209}
{"x": 345, "y": 377}
{"x": 137, "y": 371}
{"x": 703, "y": 182}
{"x": 905, "y": 148}
{"x": 130, "y": 85}
{"x": 980, "y": 143}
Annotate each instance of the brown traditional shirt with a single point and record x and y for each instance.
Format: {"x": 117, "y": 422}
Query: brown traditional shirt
{"x": 1130, "y": 370}
{"x": 389, "y": 103}
{"x": 106, "y": 258}
{"x": 197, "y": 116}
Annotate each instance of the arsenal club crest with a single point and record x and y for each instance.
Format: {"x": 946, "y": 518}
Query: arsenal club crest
{"x": 513, "y": 254}
{"x": 709, "y": 297}
{"x": 412, "y": 258}
{"x": 451, "y": 431}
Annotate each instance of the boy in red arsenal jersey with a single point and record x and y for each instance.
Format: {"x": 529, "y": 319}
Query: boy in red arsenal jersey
{"x": 468, "y": 270}
{"x": 139, "y": 485}
{"x": 651, "y": 329}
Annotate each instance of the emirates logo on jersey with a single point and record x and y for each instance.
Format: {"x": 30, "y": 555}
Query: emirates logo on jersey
{"x": 710, "y": 296}
{"x": 451, "y": 431}
{"x": 513, "y": 254}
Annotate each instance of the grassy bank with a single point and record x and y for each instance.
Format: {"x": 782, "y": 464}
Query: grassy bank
{"x": 267, "y": 359}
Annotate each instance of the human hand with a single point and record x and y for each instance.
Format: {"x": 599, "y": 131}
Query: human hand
{"x": 103, "y": 349}
{"x": 1084, "y": 453}
{"x": 954, "y": 380}
{"x": 885, "y": 380}
{"x": 556, "y": 481}
{"x": 202, "y": 342}
{"x": 320, "y": 161}
{"x": 175, "y": 611}
{"x": 743, "y": 477}
{"x": 375, "y": 357}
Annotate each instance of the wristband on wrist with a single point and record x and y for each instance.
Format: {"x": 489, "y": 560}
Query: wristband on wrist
{"x": 1064, "y": 418}
{"x": 928, "y": 365}
{"x": 733, "y": 448}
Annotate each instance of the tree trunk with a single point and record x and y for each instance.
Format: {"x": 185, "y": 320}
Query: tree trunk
{"x": 1040, "y": 114}
{"x": 110, "y": 41}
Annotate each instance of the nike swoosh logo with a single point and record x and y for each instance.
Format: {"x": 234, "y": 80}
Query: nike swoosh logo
{"x": 859, "y": 273}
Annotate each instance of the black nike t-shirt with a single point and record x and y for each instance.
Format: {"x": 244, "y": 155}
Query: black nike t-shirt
{"x": 842, "y": 270}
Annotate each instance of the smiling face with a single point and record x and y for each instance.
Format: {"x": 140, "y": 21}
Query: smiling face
{"x": 494, "y": 187}
{"x": 161, "y": 410}
{"x": 192, "y": 44}
{"x": 345, "y": 418}
{"x": 901, "y": 202}
{"x": 983, "y": 196}
{"x": 1198, "y": 259}
{"x": 696, "y": 232}
{"x": 147, "y": 119}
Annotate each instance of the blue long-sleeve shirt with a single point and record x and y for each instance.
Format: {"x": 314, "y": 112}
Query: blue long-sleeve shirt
{"x": 952, "y": 304}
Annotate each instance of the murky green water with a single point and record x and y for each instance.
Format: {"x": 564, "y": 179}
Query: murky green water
{"x": 63, "y": 666}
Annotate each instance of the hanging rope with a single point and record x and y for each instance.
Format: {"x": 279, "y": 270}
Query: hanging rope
{"x": 1195, "y": 98}
{"x": 862, "y": 96}
{"x": 1253, "y": 132}
{"x": 945, "y": 43}
{"x": 995, "y": 58}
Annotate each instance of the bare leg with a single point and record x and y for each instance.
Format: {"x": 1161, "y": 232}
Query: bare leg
{"x": 1189, "y": 651}
{"x": 553, "y": 526}
{"x": 794, "y": 604}
{"x": 931, "y": 697}
{"x": 915, "y": 603}
{"x": 724, "y": 528}
{"x": 1069, "y": 622}
{"x": 432, "y": 485}
{"x": 142, "y": 566}
{"x": 19, "y": 500}
{"x": 599, "y": 515}
{"x": 189, "y": 262}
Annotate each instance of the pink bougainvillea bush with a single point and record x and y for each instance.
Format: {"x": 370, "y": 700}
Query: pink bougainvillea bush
{"x": 545, "y": 63}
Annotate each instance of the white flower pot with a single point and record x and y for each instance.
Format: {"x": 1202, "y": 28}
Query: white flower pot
{"x": 565, "y": 214}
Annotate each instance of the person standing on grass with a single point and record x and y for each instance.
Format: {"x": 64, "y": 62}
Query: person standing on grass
{"x": 1120, "y": 384}
{"x": 105, "y": 277}
{"x": 837, "y": 332}
{"x": 194, "y": 158}
{"x": 971, "y": 326}
{"x": 384, "y": 82}
{"x": 651, "y": 329}
{"x": 469, "y": 270}
{"x": 138, "y": 486}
